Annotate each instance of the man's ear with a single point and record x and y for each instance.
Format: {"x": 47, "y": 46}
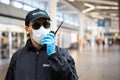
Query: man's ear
{"x": 27, "y": 29}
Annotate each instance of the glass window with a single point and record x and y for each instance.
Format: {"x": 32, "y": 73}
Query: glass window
{"x": 29, "y": 2}
{"x": 34, "y": 3}
{"x": 71, "y": 21}
{"x": 28, "y": 8}
{"x": 17, "y": 4}
{"x": 5, "y": 1}
{"x": 76, "y": 24}
{"x": 19, "y": 0}
{"x": 67, "y": 21}
{"x": 67, "y": 18}
{"x": 59, "y": 14}
{"x": 59, "y": 18}
{"x": 38, "y": 5}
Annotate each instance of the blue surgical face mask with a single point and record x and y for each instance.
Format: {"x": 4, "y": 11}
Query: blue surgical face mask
{"x": 39, "y": 34}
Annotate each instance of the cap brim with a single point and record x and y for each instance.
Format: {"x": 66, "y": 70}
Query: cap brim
{"x": 38, "y": 17}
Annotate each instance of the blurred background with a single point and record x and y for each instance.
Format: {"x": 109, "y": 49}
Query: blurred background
{"x": 91, "y": 33}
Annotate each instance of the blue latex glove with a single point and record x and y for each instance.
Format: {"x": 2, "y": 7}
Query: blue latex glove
{"x": 49, "y": 41}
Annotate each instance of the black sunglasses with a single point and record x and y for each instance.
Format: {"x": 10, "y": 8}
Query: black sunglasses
{"x": 37, "y": 25}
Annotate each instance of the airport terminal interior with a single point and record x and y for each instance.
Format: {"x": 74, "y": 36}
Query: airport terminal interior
{"x": 90, "y": 32}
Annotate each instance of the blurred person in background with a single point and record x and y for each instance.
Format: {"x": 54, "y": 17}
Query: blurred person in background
{"x": 103, "y": 43}
{"x": 41, "y": 59}
{"x": 98, "y": 42}
{"x": 4, "y": 47}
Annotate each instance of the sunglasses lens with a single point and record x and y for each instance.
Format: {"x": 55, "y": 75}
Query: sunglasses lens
{"x": 46, "y": 25}
{"x": 36, "y": 26}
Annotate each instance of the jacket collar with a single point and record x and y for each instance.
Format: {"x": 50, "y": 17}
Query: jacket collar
{"x": 29, "y": 45}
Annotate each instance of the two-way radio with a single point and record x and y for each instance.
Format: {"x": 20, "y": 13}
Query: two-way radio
{"x": 57, "y": 28}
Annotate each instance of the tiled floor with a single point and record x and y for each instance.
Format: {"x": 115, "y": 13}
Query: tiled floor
{"x": 95, "y": 64}
{"x": 3, "y": 68}
{"x": 98, "y": 64}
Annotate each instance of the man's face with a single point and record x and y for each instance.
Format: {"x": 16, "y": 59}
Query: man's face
{"x": 32, "y": 26}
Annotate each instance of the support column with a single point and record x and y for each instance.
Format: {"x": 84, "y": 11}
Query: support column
{"x": 18, "y": 40}
{"x": 92, "y": 36}
{"x": 81, "y": 31}
{"x": 10, "y": 43}
{"x": 119, "y": 15}
{"x": 53, "y": 14}
{"x": 25, "y": 37}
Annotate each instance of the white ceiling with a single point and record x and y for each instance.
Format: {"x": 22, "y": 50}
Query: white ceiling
{"x": 96, "y": 9}
{"x": 100, "y": 9}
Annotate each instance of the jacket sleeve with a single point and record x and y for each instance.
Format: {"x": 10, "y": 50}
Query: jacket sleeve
{"x": 63, "y": 65}
{"x": 11, "y": 69}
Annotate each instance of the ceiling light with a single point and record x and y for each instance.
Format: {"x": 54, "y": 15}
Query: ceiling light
{"x": 71, "y": 0}
{"x": 88, "y": 5}
{"x": 87, "y": 10}
{"x": 106, "y": 7}
{"x": 102, "y": 7}
{"x": 5, "y": 1}
{"x": 114, "y": 7}
{"x": 91, "y": 7}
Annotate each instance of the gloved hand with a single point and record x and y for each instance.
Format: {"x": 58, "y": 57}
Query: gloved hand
{"x": 49, "y": 41}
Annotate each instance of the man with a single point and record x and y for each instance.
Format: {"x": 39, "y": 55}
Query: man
{"x": 40, "y": 59}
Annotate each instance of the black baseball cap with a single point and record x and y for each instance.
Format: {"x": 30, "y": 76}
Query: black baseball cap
{"x": 36, "y": 14}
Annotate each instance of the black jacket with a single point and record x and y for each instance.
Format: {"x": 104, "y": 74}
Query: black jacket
{"x": 31, "y": 64}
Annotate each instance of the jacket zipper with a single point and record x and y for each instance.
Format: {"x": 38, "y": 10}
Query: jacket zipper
{"x": 36, "y": 65}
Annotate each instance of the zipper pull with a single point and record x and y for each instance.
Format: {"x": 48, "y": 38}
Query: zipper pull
{"x": 37, "y": 51}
